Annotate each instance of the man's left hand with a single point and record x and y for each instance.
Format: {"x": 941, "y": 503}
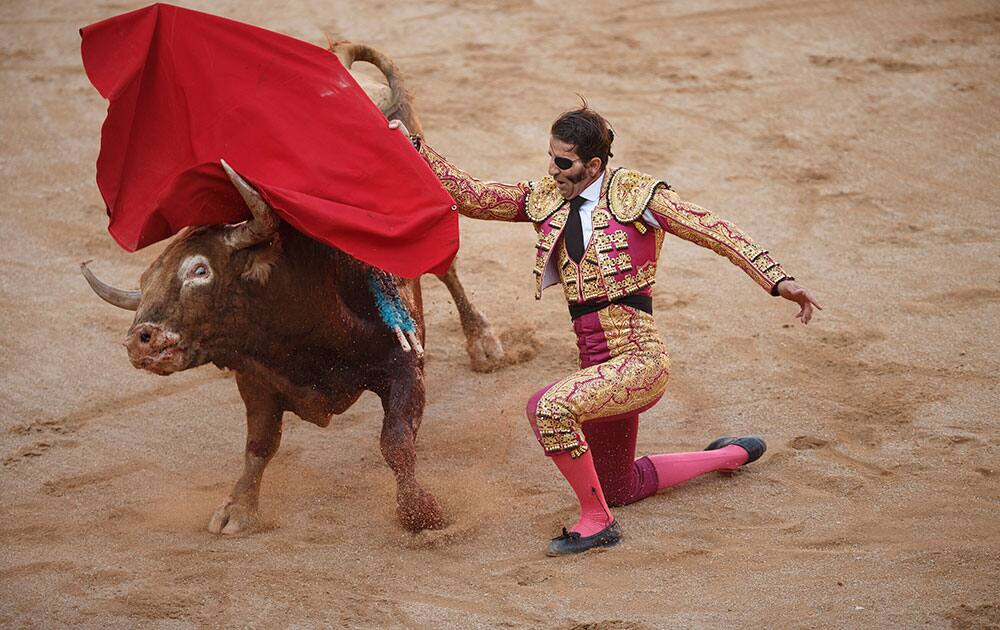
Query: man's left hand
{"x": 791, "y": 290}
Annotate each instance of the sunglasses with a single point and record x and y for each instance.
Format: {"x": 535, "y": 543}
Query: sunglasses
{"x": 563, "y": 163}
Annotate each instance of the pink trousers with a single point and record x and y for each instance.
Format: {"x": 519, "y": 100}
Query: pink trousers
{"x": 624, "y": 369}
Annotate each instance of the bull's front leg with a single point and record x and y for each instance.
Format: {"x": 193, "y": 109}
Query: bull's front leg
{"x": 238, "y": 513}
{"x": 481, "y": 342}
{"x": 403, "y": 401}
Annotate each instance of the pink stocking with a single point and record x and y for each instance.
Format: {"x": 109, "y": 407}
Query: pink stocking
{"x": 673, "y": 468}
{"x": 580, "y": 473}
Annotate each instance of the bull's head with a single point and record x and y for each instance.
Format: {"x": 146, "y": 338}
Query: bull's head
{"x": 190, "y": 282}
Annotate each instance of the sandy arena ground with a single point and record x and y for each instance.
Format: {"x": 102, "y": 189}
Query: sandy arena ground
{"x": 859, "y": 141}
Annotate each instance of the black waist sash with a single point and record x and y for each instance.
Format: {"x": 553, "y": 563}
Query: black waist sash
{"x": 641, "y": 302}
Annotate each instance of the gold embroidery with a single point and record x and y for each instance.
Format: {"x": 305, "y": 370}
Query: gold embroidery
{"x": 635, "y": 376}
{"x": 593, "y": 280}
{"x": 603, "y": 242}
{"x": 629, "y": 193}
{"x": 644, "y": 277}
{"x": 544, "y": 199}
{"x": 567, "y": 275}
{"x": 598, "y": 269}
{"x": 702, "y": 227}
{"x": 620, "y": 239}
{"x": 539, "y": 269}
{"x": 544, "y": 245}
{"x": 558, "y": 222}
{"x": 606, "y": 264}
{"x": 545, "y": 241}
{"x": 475, "y": 198}
{"x": 592, "y": 269}
{"x": 601, "y": 218}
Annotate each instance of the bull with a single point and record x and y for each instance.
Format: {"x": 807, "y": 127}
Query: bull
{"x": 297, "y": 323}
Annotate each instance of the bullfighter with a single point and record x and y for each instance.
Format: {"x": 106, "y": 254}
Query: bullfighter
{"x": 599, "y": 235}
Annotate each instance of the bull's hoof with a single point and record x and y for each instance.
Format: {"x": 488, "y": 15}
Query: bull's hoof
{"x": 419, "y": 511}
{"x": 233, "y": 518}
{"x": 485, "y": 350}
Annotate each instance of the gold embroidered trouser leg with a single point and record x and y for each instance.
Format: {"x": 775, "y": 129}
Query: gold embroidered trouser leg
{"x": 624, "y": 368}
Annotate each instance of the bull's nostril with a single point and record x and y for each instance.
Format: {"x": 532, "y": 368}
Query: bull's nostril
{"x": 144, "y": 337}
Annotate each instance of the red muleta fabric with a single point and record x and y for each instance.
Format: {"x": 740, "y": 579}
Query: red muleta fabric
{"x": 187, "y": 88}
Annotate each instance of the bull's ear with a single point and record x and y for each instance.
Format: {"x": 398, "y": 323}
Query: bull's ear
{"x": 261, "y": 261}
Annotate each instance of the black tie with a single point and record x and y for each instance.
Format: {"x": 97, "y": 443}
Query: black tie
{"x": 574, "y": 230}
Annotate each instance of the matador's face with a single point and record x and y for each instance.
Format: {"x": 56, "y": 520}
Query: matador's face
{"x": 575, "y": 178}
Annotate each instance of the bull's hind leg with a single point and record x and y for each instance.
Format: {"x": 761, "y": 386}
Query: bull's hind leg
{"x": 238, "y": 513}
{"x": 482, "y": 344}
{"x": 403, "y": 401}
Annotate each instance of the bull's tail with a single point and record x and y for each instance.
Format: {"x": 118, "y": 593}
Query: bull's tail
{"x": 400, "y": 104}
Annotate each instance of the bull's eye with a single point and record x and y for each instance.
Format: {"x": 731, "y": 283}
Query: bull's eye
{"x": 195, "y": 270}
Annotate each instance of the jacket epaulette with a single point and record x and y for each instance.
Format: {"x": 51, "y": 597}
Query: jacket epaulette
{"x": 544, "y": 198}
{"x": 629, "y": 193}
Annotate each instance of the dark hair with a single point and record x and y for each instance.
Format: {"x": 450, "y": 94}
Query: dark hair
{"x": 586, "y": 130}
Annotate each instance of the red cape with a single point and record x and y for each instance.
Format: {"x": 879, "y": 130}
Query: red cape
{"x": 187, "y": 88}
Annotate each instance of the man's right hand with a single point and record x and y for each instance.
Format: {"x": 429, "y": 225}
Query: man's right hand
{"x": 398, "y": 124}
{"x": 792, "y": 291}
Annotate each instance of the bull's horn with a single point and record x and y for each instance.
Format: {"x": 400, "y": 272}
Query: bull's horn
{"x": 128, "y": 300}
{"x": 264, "y": 223}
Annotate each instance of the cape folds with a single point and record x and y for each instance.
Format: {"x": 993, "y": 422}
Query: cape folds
{"x": 187, "y": 88}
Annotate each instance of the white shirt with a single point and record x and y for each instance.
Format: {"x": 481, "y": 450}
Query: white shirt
{"x": 591, "y": 194}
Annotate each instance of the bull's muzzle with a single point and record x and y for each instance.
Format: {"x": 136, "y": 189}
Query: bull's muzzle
{"x": 151, "y": 347}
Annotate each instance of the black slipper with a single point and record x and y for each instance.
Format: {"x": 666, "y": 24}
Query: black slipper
{"x": 572, "y": 542}
{"x": 754, "y": 445}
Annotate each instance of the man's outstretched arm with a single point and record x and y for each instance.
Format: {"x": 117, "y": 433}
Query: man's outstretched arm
{"x": 473, "y": 198}
{"x": 702, "y": 227}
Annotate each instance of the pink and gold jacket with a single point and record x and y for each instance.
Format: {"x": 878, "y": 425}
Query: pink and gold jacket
{"x": 622, "y": 254}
